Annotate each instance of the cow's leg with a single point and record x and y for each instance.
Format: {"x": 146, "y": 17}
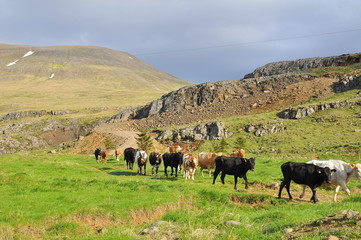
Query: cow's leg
{"x": 303, "y": 191}
{"x": 176, "y": 172}
{"x": 165, "y": 171}
{"x": 314, "y": 197}
{"x": 215, "y": 175}
{"x": 245, "y": 182}
{"x": 156, "y": 170}
{"x": 209, "y": 172}
{"x": 202, "y": 172}
{"x": 223, "y": 175}
{"x": 288, "y": 184}
{"x": 281, "y": 188}
{"x": 145, "y": 169}
{"x": 235, "y": 182}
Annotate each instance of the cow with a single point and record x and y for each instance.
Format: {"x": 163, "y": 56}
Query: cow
{"x": 303, "y": 173}
{"x": 172, "y": 160}
{"x": 175, "y": 149}
{"x": 190, "y": 164}
{"x": 207, "y": 160}
{"x": 238, "y": 152}
{"x": 129, "y": 157}
{"x": 141, "y": 157}
{"x": 104, "y": 155}
{"x": 118, "y": 152}
{"x": 238, "y": 167}
{"x": 97, "y": 154}
{"x": 155, "y": 159}
{"x": 344, "y": 173}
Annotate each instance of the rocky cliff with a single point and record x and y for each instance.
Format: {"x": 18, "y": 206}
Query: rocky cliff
{"x": 284, "y": 67}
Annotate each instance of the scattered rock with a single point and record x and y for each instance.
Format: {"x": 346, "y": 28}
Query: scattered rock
{"x": 208, "y": 131}
{"x": 288, "y": 230}
{"x": 301, "y": 112}
{"x": 232, "y": 223}
{"x": 274, "y": 186}
{"x": 332, "y": 238}
{"x": 101, "y": 230}
{"x": 350, "y": 213}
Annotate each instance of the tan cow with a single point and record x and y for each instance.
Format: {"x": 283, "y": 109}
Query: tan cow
{"x": 207, "y": 160}
{"x": 190, "y": 164}
{"x": 104, "y": 155}
{"x": 175, "y": 149}
{"x": 238, "y": 152}
{"x": 118, "y": 152}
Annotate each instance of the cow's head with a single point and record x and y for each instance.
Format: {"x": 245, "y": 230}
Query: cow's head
{"x": 325, "y": 173}
{"x": 356, "y": 170}
{"x": 252, "y": 162}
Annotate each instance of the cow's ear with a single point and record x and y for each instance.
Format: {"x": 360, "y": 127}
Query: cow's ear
{"x": 352, "y": 165}
{"x": 333, "y": 170}
{"x": 319, "y": 171}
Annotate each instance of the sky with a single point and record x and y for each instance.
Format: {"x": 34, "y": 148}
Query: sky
{"x": 195, "y": 40}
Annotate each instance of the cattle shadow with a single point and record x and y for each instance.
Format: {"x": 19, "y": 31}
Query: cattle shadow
{"x": 121, "y": 173}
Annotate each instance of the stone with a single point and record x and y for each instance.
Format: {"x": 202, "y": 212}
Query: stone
{"x": 232, "y": 223}
{"x": 288, "y": 230}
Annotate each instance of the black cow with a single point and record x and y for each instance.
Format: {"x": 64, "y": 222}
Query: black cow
{"x": 97, "y": 154}
{"x": 303, "y": 173}
{"x": 238, "y": 167}
{"x": 155, "y": 159}
{"x": 172, "y": 160}
{"x": 129, "y": 157}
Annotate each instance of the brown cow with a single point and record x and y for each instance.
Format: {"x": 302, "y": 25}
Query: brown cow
{"x": 118, "y": 152}
{"x": 175, "y": 149}
{"x": 104, "y": 155}
{"x": 190, "y": 164}
{"x": 239, "y": 153}
{"x": 207, "y": 160}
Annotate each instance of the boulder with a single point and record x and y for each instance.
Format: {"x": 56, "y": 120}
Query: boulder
{"x": 208, "y": 131}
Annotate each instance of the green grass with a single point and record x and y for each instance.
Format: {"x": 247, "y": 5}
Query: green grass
{"x": 325, "y": 134}
{"x": 47, "y": 196}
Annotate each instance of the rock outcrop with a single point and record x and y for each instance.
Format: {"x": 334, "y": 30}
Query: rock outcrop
{"x": 250, "y": 93}
{"x": 208, "y": 131}
{"x": 301, "y": 112}
{"x": 260, "y": 129}
{"x": 23, "y": 114}
{"x": 347, "y": 83}
{"x": 284, "y": 67}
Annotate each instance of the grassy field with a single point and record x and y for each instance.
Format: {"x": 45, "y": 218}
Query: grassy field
{"x": 46, "y": 196}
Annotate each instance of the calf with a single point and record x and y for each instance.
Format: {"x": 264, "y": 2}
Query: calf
{"x": 97, "y": 154}
{"x": 172, "y": 160}
{"x": 207, "y": 160}
{"x": 141, "y": 157}
{"x": 344, "y": 173}
{"x": 238, "y": 152}
{"x": 118, "y": 152}
{"x": 238, "y": 167}
{"x": 104, "y": 155}
{"x": 190, "y": 164}
{"x": 303, "y": 173}
{"x": 129, "y": 157}
{"x": 175, "y": 149}
{"x": 155, "y": 159}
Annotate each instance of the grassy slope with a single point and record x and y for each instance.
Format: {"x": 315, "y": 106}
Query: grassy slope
{"x": 325, "y": 134}
{"x": 85, "y": 77}
{"x": 57, "y": 196}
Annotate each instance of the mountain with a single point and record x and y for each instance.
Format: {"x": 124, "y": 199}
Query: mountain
{"x": 77, "y": 77}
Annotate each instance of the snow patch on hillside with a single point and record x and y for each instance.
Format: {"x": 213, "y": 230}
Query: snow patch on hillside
{"x": 28, "y": 54}
{"x": 12, "y": 63}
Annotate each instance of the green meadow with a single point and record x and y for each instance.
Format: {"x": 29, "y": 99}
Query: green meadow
{"x": 61, "y": 196}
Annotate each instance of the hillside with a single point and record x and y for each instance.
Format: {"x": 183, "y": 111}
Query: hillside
{"x": 77, "y": 77}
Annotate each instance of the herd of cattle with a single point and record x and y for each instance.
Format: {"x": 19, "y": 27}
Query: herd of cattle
{"x": 312, "y": 174}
